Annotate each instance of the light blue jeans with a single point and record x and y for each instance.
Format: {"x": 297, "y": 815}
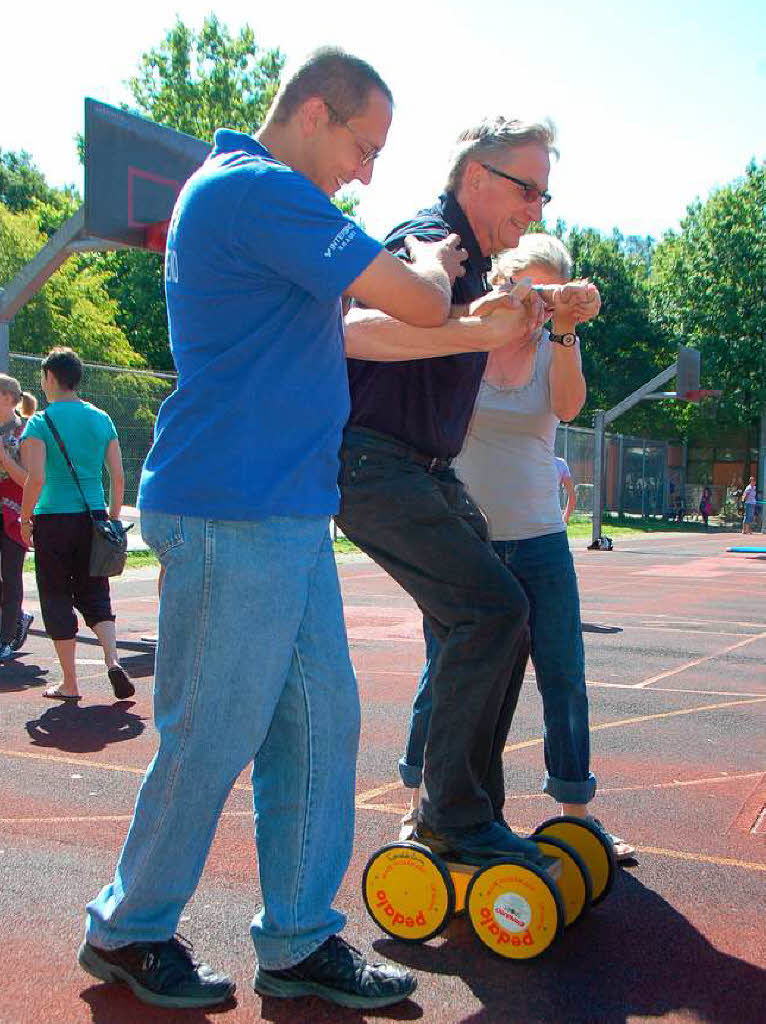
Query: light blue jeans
{"x": 252, "y": 666}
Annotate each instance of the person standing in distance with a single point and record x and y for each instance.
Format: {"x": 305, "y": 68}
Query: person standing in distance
{"x": 564, "y": 474}
{"x": 252, "y": 658}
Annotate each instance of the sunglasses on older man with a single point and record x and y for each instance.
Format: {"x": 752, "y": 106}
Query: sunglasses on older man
{"x": 531, "y": 192}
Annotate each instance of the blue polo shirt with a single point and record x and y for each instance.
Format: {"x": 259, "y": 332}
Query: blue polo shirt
{"x": 426, "y": 403}
{"x": 257, "y": 260}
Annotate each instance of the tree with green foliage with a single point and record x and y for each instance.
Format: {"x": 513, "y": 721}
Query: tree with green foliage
{"x": 23, "y": 187}
{"x": 194, "y": 82}
{"x": 708, "y": 287}
{"x": 623, "y": 348}
{"x": 74, "y": 307}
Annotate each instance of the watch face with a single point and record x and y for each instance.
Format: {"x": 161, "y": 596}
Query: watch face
{"x": 568, "y": 340}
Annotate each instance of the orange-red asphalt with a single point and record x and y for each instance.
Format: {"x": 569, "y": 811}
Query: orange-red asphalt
{"x": 675, "y": 635}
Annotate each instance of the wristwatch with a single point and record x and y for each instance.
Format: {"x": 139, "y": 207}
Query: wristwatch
{"x": 567, "y": 340}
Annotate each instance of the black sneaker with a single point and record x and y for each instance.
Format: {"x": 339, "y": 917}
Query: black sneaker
{"x": 479, "y": 843}
{"x": 339, "y": 973}
{"x": 160, "y": 973}
{"x": 22, "y": 629}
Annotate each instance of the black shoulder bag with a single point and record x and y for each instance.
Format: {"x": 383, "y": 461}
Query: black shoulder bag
{"x": 109, "y": 542}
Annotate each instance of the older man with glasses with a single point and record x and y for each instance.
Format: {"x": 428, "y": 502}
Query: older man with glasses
{"x": 402, "y": 503}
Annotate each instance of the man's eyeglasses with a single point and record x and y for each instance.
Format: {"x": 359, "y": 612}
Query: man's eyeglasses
{"x": 531, "y": 192}
{"x": 368, "y": 151}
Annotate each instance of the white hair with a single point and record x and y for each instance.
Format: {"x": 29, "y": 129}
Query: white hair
{"x": 534, "y": 249}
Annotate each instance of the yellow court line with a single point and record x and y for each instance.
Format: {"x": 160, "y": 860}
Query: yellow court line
{"x": 76, "y": 761}
{"x": 673, "y": 714}
{"x": 371, "y": 793}
{"x": 699, "y": 858}
{"x": 681, "y": 689}
{"x": 644, "y": 718}
{"x": 362, "y": 801}
{"x": 698, "y": 661}
{"x": 623, "y": 613}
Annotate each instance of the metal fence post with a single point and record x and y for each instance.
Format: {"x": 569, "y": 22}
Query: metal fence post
{"x": 643, "y": 479}
{"x": 761, "y": 479}
{"x": 598, "y": 471}
{"x": 5, "y": 346}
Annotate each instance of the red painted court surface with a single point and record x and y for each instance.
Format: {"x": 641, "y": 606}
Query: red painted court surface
{"x": 675, "y": 635}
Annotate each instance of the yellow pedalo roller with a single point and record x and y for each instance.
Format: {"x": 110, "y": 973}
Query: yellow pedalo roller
{"x": 515, "y": 908}
{"x": 591, "y": 844}
{"x": 574, "y": 882}
{"x": 408, "y": 891}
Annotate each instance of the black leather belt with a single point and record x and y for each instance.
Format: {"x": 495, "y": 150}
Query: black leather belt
{"x": 387, "y": 443}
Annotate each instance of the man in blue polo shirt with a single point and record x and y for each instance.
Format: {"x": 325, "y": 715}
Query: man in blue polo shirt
{"x": 402, "y": 503}
{"x": 236, "y": 494}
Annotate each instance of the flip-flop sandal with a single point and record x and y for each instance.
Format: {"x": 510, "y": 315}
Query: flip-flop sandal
{"x": 121, "y": 683}
{"x": 622, "y": 850}
{"x": 53, "y": 694}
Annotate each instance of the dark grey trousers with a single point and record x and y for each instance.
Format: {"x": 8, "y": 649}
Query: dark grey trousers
{"x": 425, "y": 530}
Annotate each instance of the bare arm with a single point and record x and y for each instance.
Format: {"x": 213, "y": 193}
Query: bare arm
{"x": 370, "y": 334}
{"x": 492, "y": 321}
{"x": 32, "y": 452}
{"x": 11, "y": 467}
{"x": 417, "y": 293}
{"x": 566, "y": 381}
{"x": 113, "y": 462}
{"x": 572, "y": 304}
{"x": 571, "y": 498}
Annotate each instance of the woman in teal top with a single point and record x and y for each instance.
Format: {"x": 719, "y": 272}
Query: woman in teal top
{"x": 61, "y": 525}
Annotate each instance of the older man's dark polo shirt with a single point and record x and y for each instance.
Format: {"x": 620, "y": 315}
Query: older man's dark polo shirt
{"x": 426, "y": 403}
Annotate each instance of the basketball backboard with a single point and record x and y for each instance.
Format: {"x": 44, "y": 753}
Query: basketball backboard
{"x": 134, "y": 169}
{"x": 687, "y": 372}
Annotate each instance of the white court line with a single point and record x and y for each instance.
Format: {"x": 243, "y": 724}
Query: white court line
{"x": 698, "y": 661}
{"x": 668, "y": 618}
{"x": 680, "y": 689}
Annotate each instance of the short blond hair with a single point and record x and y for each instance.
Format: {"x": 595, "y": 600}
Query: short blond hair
{"x": 495, "y": 135}
{"x": 534, "y": 249}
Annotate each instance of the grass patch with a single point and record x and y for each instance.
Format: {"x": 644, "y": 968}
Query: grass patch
{"x": 581, "y": 526}
{"x": 626, "y": 526}
{"x": 343, "y": 546}
{"x": 136, "y": 560}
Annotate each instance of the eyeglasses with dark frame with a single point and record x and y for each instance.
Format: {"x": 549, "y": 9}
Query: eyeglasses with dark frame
{"x": 531, "y": 192}
{"x": 368, "y": 151}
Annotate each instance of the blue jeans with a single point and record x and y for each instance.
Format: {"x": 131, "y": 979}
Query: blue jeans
{"x": 544, "y": 568}
{"x": 252, "y": 666}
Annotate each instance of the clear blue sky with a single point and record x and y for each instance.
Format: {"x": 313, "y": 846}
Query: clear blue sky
{"x": 656, "y": 103}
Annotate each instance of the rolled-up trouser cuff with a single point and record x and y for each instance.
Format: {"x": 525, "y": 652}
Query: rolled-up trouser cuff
{"x": 567, "y": 791}
{"x": 412, "y": 774}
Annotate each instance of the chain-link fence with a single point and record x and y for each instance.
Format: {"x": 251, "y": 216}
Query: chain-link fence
{"x": 131, "y": 397}
{"x": 637, "y": 478}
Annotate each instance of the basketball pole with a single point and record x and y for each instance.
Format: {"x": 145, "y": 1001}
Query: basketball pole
{"x": 762, "y": 469}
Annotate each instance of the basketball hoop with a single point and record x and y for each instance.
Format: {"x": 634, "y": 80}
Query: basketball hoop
{"x": 156, "y": 236}
{"x": 698, "y": 394}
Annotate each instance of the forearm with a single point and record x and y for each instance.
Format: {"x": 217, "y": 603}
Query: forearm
{"x": 372, "y": 335}
{"x": 571, "y": 500}
{"x": 15, "y": 471}
{"x": 566, "y": 380}
{"x": 116, "y": 494}
{"x": 32, "y": 488}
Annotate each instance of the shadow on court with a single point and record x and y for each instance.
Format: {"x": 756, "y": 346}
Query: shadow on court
{"x": 114, "y": 1004}
{"x": 20, "y": 675}
{"x": 666, "y": 966}
{"x": 84, "y": 730}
